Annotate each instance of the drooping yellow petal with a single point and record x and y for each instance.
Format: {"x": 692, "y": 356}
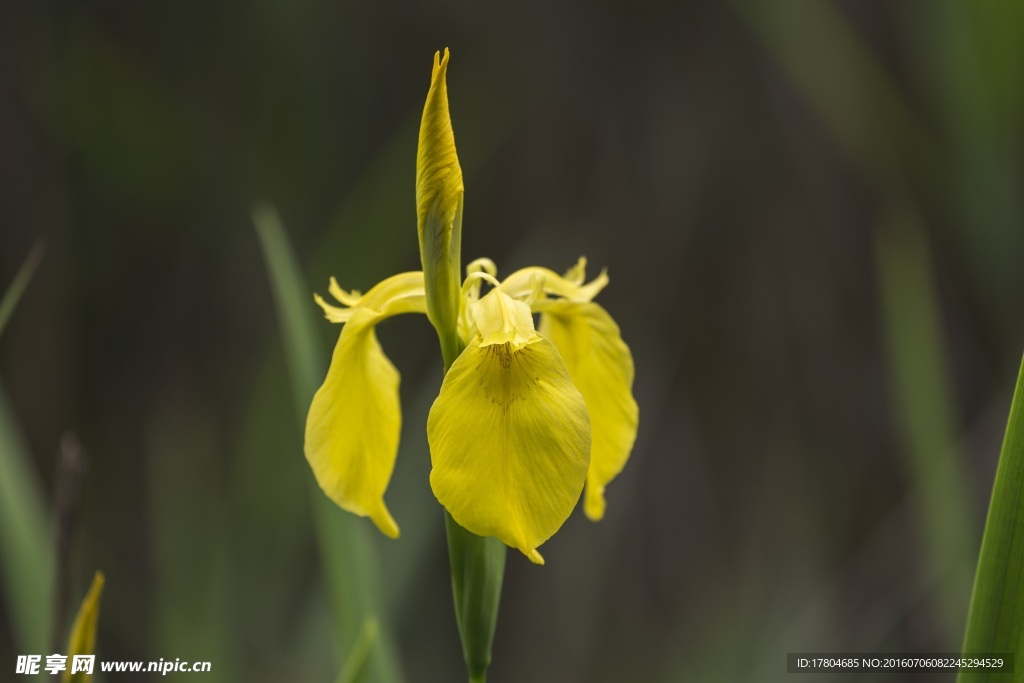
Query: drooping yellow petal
{"x": 355, "y": 418}
{"x": 509, "y": 443}
{"x": 439, "y": 192}
{"x": 354, "y": 421}
{"x": 83, "y": 632}
{"x": 601, "y": 367}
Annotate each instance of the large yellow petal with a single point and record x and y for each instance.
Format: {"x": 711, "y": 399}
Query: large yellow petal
{"x": 509, "y": 443}
{"x": 601, "y": 367}
{"x": 354, "y": 422}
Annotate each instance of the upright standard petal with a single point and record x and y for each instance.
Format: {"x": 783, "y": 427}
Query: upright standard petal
{"x": 439, "y": 192}
{"x": 601, "y": 367}
{"x": 500, "y": 319}
{"x": 354, "y": 422}
{"x": 509, "y": 434}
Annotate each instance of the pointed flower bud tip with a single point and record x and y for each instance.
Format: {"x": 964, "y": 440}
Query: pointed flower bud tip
{"x": 439, "y": 193}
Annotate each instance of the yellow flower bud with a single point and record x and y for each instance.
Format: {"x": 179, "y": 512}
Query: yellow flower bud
{"x": 439, "y": 192}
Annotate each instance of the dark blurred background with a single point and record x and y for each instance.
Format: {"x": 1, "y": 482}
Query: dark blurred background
{"x": 811, "y": 214}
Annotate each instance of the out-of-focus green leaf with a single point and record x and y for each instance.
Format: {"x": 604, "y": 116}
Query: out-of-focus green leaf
{"x": 972, "y": 63}
{"x": 845, "y": 84}
{"x": 919, "y": 365}
{"x": 182, "y": 449}
{"x": 996, "y": 620}
{"x": 356, "y": 660}
{"x": 18, "y": 285}
{"x": 345, "y": 546}
{"x": 117, "y": 114}
{"x": 294, "y": 304}
{"x": 26, "y": 547}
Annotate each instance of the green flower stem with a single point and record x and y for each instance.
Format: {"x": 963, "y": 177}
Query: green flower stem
{"x": 451, "y": 347}
{"x": 478, "y": 568}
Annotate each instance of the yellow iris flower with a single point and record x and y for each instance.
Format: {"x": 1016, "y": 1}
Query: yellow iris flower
{"x": 525, "y": 417}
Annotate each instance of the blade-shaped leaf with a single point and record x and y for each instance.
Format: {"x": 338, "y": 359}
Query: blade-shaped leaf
{"x": 19, "y": 283}
{"x": 926, "y": 417}
{"x": 26, "y": 541}
{"x": 996, "y": 620}
{"x": 345, "y": 545}
{"x": 26, "y": 547}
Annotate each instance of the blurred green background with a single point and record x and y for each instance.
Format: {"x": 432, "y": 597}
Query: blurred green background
{"x": 811, "y": 213}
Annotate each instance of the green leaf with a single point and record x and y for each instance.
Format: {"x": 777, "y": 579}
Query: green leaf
{"x": 996, "y": 620}
{"x": 356, "y": 661}
{"x": 846, "y": 84}
{"x": 18, "y": 285}
{"x": 26, "y": 539}
{"x": 345, "y": 546}
{"x": 926, "y": 417}
{"x": 294, "y": 304}
{"x": 26, "y": 563}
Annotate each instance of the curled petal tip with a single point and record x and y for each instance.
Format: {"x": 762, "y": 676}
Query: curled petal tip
{"x": 332, "y": 313}
{"x": 534, "y": 556}
{"x": 440, "y": 62}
